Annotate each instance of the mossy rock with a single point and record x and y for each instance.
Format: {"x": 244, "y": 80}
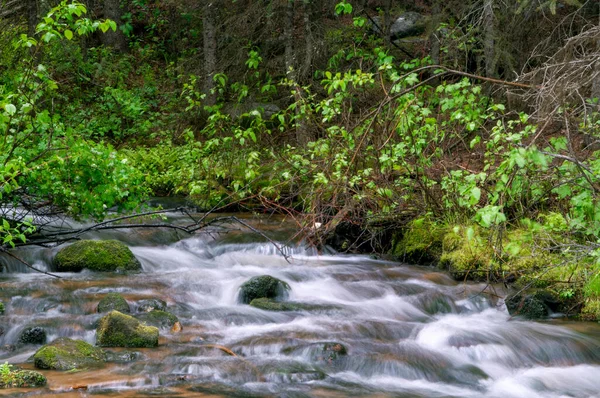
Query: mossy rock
{"x": 419, "y": 243}
{"x": 1, "y": 308}
{"x": 272, "y": 305}
{"x": 160, "y": 319}
{"x": 148, "y": 305}
{"x": 22, "y": 379}
{"x": 113, "y": 301}
{"x": 537, "y": 305}
{"x": 119, "y": 330}
{"x": 96, "y": 255}
{"x": 33, "y": 335}
{"x": 67, "y": 354}
{"x": 263, "y": 286}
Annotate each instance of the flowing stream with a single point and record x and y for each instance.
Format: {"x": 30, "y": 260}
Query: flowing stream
{"x": 376, "y": 328}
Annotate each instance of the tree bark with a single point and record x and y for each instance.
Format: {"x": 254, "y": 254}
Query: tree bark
{"x": 308, "y": 40}
{"x": 32, "y": 16}
{"x": 434, "y": 39}
{"x": 116, "y": 40}
{"x": 288, "y": 31}
{"x": 489, "y": 32}
{"x": 210, "y": 52}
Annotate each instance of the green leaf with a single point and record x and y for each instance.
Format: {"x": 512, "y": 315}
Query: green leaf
{"x": 68, "y": 34}
{"x": 10, "y": 109}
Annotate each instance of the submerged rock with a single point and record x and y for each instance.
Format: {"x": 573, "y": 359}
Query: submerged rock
{"x": 328, "y": 351}
{"x": 120, "y": 330}
{"x": 96, "y": 255}
{"x": 33, "y": 335}
{"x": 148, "y": 305}
{"x": 67, "y": 354}
{"x": 263, "y": 286}
{"x": 113, "y": 301}
{"x": 160, "y": 319}
{"x": 22, "y": 379}
{"x": 272, "y": 305}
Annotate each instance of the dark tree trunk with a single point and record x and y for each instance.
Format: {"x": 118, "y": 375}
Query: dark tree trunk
{"x": 489, "y": 51}
{"x": 32, "y": 16}
{"x": 117, "y": 40}
{"x": 288, "y": 31}
{"x": 210, "y": 51}
{"x": 308, "y": 40}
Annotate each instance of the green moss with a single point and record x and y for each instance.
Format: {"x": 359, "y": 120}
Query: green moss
{"x": 263, "y": 286}
{"x": 160, "y": 319}
{"x": 22, "y": 379}
{"x": 120, "y": 330}
{"x": 96, "y": 255}
{"x": 113, "y": 301}
{"x": 1, "y": 308}
{"x": 591, "y": 310}
{"x": 466, "y": 254}
{"x": 419, "y": 243}
{"x": 66, "y": 354}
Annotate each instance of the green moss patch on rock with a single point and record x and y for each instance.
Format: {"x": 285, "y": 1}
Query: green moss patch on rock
{"x": 119, "y": 330}
{"x": 113, "y": 301}
{"x": 160, "y": 319}
{"x": 263, "y": 286}
{"x": 1, "y": 308}
{"x": 466, "y": 254}
{"x": 67, "y": 354}
{"x": 419, "y": 243}
{"x": 22, "y": 379}
{"x": 96, "y": 255}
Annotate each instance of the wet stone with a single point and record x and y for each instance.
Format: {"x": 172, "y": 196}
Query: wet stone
{"x": 33, "y": 335}
{"x": 113, "y": 301}
{"x": 263, "y": 286}
{"x": 148, "y": 305}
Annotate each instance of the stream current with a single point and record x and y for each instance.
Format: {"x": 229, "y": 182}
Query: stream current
{"x": 406, "y": 331}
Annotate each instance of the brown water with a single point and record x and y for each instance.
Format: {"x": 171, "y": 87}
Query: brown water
{"x": 409, "y": 331}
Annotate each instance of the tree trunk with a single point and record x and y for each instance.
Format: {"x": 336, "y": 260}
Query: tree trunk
{"x": 210, "y": 52}
{"x": 308, "y": 40}
{"x": 117, "y": 40}
{"x": 288, "y": 32}
{"x": 489, "y": 32}
{"x": 32, "y": 16}
{"x": 434, "y": 39}
{"x": 387, "y": 23}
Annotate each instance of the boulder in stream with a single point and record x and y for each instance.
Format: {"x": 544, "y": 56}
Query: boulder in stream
{"x": 537, "y": 305}
{"x": 148, "y": 305}
{"x": 67, "y": 354}
{"x": 21, "y": 379}
{"x": 119, "y": 330}
{"x": 263, "y": 286}
{"x": 113, "y": 301}
{"x": 33, "y": 335}
{"x": 160, "y": 319}
{"x": 96, "y": 255}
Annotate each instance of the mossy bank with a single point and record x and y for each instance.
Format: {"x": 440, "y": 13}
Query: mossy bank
{"x": 532, "y": 256}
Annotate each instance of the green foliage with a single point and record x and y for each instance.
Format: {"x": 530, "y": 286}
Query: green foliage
{"x": 42, "y": 159}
